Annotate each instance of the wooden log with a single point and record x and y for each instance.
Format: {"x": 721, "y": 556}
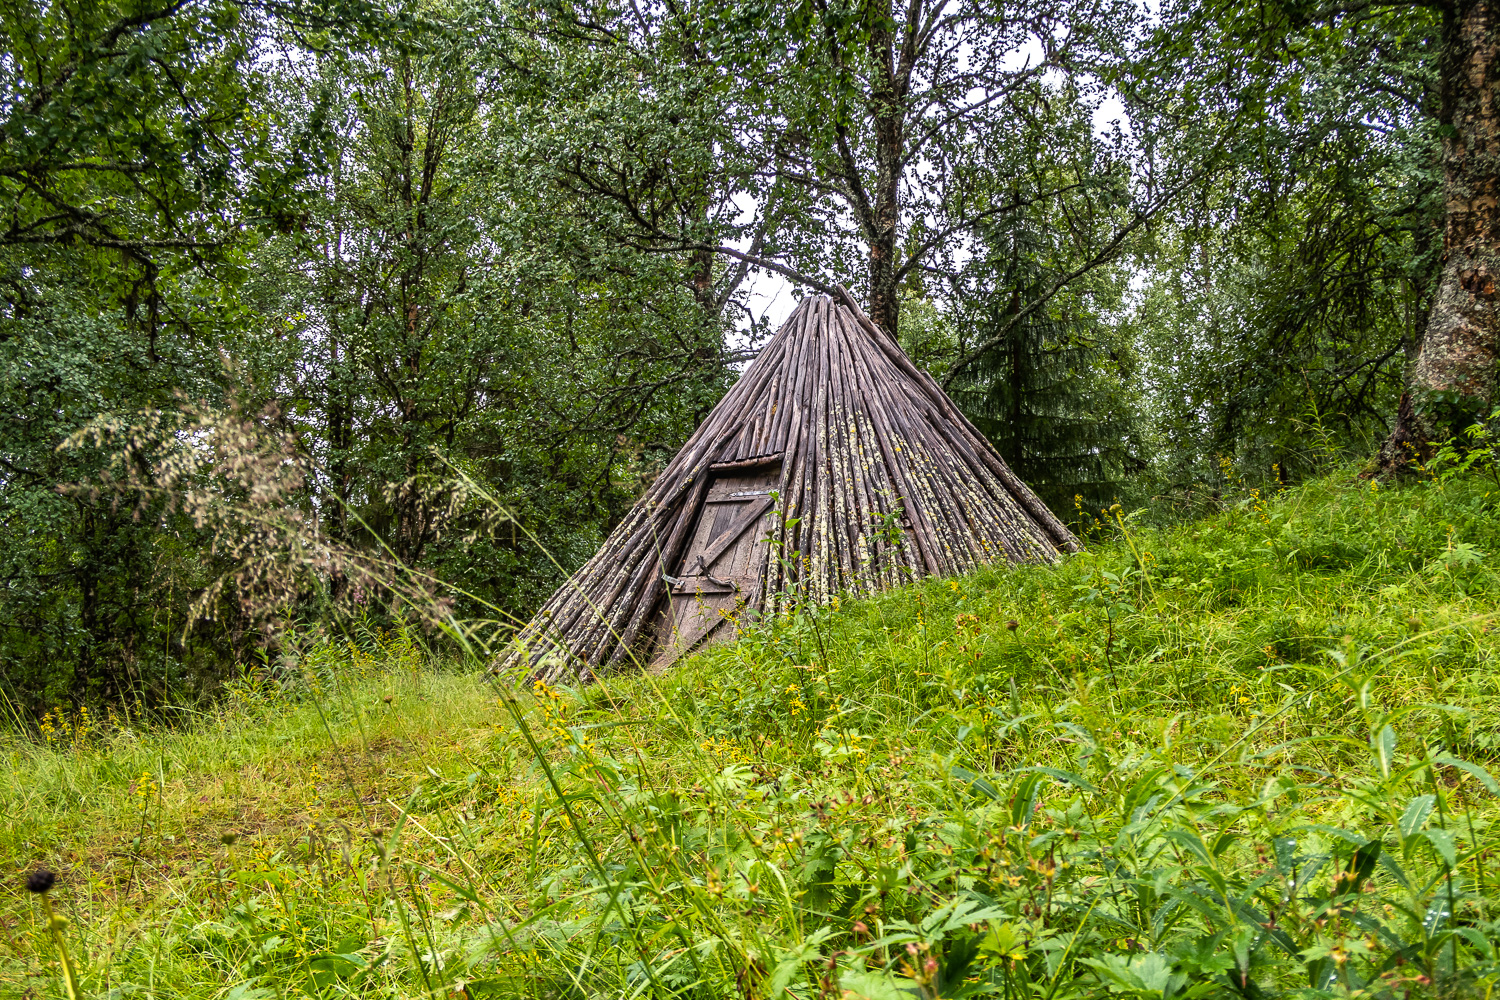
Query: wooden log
{"x": 861, "y": 433}
{"x": 1060, "y": 535}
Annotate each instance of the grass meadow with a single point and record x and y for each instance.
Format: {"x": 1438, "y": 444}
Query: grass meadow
{"x": 1250, "y": 755}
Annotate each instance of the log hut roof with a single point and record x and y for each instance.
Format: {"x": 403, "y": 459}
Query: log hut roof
{"x": 869, "y": 477}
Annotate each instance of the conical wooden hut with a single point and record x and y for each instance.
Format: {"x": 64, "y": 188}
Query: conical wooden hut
{"x": 833, "y": 466}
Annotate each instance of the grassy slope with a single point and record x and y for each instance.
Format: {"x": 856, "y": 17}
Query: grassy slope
{"x": 1205, "y": 761}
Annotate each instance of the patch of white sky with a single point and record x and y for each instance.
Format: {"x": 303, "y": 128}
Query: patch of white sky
{"x": 772, "y": 297}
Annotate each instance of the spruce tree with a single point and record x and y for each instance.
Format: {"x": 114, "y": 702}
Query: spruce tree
{"x": 1052, "y": 394}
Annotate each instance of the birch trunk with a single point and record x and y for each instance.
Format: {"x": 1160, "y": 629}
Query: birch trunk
{"x": 1453, "y": 378}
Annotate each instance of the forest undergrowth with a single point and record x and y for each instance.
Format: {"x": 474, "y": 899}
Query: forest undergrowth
{"x": 1250, "y": 755}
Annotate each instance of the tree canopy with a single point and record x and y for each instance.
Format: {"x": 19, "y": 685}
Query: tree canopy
{"x": 472, "y": 256}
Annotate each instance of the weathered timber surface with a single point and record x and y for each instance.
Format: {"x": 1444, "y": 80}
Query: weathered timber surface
{"x": 865, "y": 441}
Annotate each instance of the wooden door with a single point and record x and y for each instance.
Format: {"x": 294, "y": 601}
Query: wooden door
{"x": 722, "y": 563}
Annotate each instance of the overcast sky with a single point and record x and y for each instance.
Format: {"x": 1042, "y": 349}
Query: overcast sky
{"x": 771, "y": 294}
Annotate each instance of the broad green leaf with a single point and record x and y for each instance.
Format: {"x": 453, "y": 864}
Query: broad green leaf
{"x": 1385, "y": 748}
{"x": 1416, "y": 814}
{"x": 1442, "y": 841}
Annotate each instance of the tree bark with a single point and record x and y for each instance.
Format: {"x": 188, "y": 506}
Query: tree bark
{"x": 1454, "y": 375}
{"x": 886, "y": 100}
{"x": 340, "y": 415}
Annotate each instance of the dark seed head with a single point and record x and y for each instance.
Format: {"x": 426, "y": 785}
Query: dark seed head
{"x": 40, "y": 880}
{"x": 1012, "y": 624}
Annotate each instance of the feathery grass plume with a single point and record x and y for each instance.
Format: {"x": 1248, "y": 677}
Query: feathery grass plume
{"x": 242, "y": 475}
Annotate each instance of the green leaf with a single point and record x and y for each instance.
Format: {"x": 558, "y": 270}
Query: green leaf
{"x": 1191, "y": 840}
{"x": 1442, "y": 841}
{"x": 1480, "y": 942}
{"x": 1061, "y": 775}
{"x": 1485, "y": 778}
{"x": 1223, "y": 842}
{"x": 1385, "y": 749}
{"x": 1416, "y": 814}
{"x": 249, "y": 991}
{"x": 877, "y": 986}
{"x": 1362, "y": 864}
{"x": 793, "y": 960}
{"x": 1023, "y": 800}
{"x": 977, "y": 785}
{"x": 1286, "y": 855}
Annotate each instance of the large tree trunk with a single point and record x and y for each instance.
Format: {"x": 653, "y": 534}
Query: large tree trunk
{"x": 887, "y": 98}
{"x": 701, "y": 277}
{"x": 1454, "y": 376}
{"x": 700, "y": 262}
